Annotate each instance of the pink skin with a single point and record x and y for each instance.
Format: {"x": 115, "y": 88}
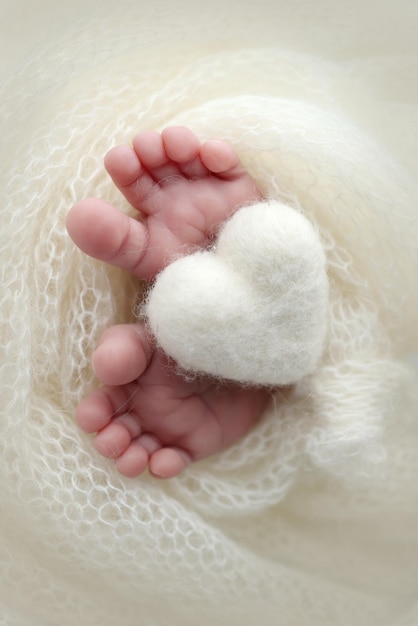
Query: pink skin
{"x": 145, "y": 415}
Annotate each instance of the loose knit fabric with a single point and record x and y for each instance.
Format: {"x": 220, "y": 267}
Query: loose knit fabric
{"x": 311, "y": 518}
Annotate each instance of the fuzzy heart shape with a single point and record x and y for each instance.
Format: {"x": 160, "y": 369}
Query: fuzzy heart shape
{"x": 254, "y": 308}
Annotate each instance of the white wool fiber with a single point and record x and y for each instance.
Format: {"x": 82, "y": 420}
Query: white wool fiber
{"x": 254, "y": 310}
{"x": 312, "y": 517}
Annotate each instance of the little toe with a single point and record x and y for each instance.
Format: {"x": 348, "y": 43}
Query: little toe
{"x": 168, "y": 462}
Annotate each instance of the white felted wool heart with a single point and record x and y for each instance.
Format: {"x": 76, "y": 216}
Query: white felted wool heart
{"x": 254, "y": 308}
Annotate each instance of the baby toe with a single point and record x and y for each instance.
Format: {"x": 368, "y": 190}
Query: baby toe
{"x": 181, "y": 144}
{"x": 149, "y": 148}
{"x": 115, "y": 438}
{"x": 133, "y": 461}
{"x": 122, "y": 355}
{"x": 123, "y": 166}
{"x": 220, "y": 158}
{"x": 168, "y": 462}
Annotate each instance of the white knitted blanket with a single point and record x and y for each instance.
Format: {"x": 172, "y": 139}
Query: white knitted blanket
{"x": 312, "y": 518}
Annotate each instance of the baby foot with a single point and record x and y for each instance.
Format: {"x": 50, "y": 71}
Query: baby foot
{"x": 145, "y": 414}
{"x": 182, "y": 189}
{"x": 154, "y": 417}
